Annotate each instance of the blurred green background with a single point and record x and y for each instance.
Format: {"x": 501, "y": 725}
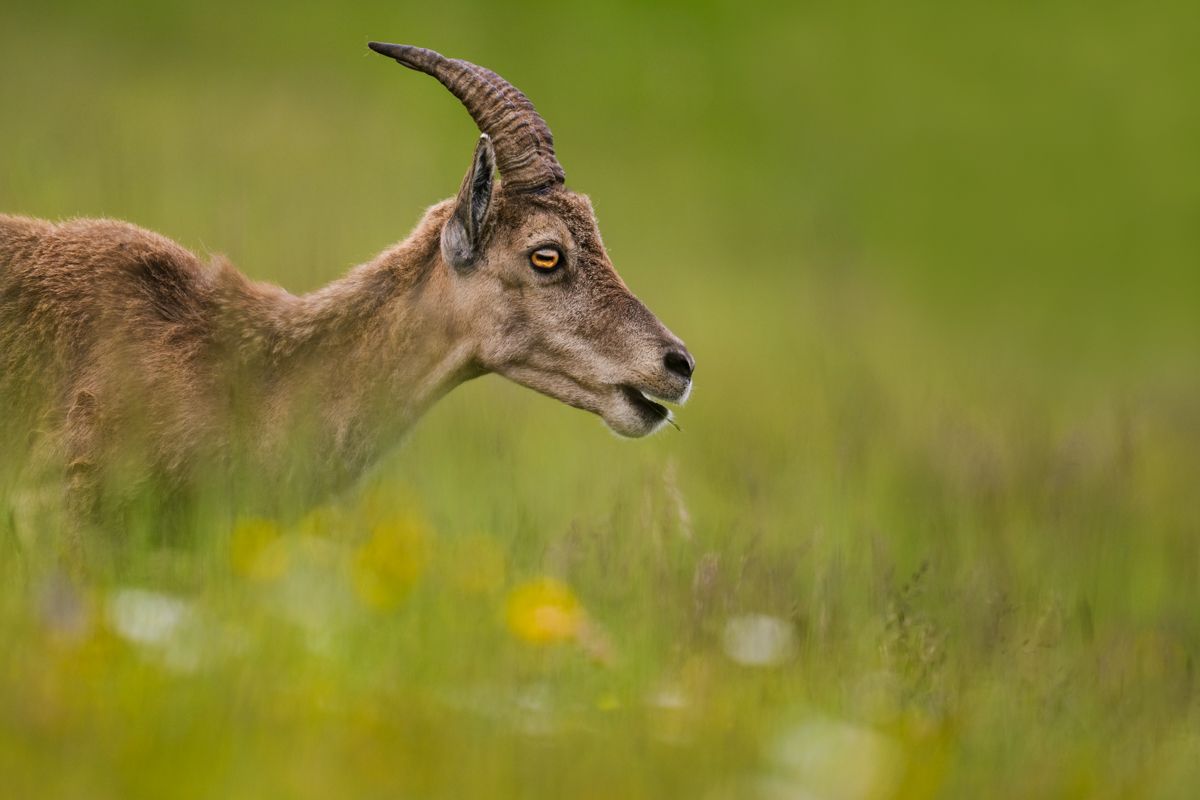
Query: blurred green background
{"x": 939, "y": 264}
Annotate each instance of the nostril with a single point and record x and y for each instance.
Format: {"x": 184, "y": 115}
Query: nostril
{"x": 680, "y": 362}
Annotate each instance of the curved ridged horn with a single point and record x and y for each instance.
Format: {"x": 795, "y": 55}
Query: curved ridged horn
{"x": 524, "y": 145}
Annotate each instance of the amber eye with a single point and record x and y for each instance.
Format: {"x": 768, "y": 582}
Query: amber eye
{"x": 545, "y": 258}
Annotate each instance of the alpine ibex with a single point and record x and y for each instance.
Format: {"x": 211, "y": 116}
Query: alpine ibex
{"x": 126, "y": 360}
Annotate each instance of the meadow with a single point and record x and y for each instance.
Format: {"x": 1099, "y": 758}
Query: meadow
{"x": 929, "y": 527}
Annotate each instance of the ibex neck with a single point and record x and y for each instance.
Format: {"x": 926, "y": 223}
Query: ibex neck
{"x": 362, "y": 359}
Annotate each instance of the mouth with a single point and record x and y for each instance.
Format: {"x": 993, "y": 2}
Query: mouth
{"x": 634, "y": 413}
{"x": 628, "y": 409}
{"x": 639, "y": 400}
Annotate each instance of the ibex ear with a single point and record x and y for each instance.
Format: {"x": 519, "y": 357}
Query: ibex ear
{"x": 463, "y": 234}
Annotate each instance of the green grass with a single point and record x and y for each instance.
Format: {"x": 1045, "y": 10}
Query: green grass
{"x": 938, "y": 266}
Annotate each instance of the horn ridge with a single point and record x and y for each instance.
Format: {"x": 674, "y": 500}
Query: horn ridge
{"x": 540, "y": 137}
{"x": 523, "y": 142}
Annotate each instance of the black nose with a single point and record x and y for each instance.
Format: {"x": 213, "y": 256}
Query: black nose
{"x": 680, "y": 362}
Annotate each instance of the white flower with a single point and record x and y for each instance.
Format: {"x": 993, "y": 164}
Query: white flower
{"x": 759, "y": 640}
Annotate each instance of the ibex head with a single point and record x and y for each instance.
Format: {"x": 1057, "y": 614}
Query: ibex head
{"x": 530, "y": 273}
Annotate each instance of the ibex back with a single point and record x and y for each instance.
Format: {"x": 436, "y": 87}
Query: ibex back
{"x": 123, "y": 354}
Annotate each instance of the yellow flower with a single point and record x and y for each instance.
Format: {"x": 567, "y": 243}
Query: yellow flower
{"x": 257, "y": 550}
{"x": 544, "y": 611}
{"x": 387, "y": 565}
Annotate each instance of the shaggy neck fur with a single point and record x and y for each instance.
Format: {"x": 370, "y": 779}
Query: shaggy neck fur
{"x": 346, "y": 370}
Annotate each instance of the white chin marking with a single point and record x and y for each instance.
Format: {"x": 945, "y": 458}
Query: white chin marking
{"x": 636, "y": 434}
